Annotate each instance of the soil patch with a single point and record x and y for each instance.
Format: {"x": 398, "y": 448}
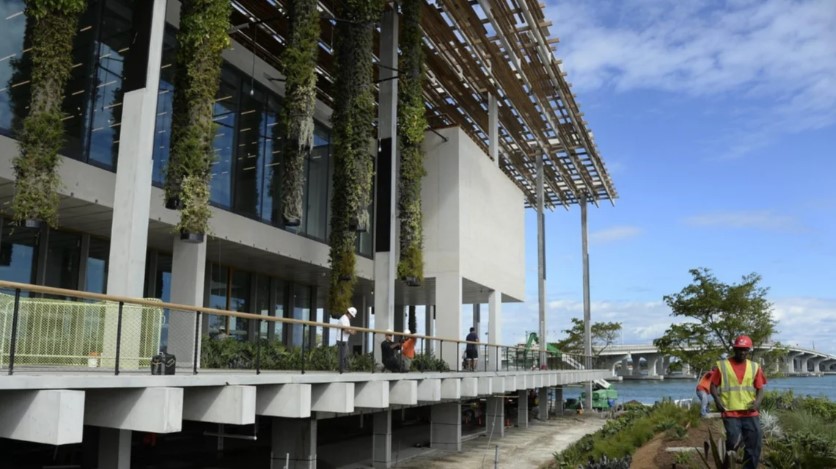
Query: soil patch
{"x": 654, "y": 453}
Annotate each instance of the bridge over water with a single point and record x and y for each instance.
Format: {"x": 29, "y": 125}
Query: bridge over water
{"x": 627, "y": 360}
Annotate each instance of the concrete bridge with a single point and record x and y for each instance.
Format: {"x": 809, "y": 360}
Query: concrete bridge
{"x": 626, "y": 361}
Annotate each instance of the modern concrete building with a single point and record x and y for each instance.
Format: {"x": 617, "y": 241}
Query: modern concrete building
{"x": 505, "y": 134}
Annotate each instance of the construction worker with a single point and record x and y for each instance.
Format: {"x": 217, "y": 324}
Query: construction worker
{"x": 704, "y": 392}
{"x": 737, "y": 388}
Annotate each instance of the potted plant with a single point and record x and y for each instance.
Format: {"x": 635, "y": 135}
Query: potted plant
{"x": 54, "y": 25}
{"x": 201, "y": 39}
{"x": 411, "y": 125}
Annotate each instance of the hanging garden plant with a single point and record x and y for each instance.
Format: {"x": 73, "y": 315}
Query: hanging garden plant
{"x": 299, "y": 64}
{"x": 201, "y": 39}
{"x": 36, "y": 191}
{"x": 353, "y": 132}
{"x": 411, "y": 125}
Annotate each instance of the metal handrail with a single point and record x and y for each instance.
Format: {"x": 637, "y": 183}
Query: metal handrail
{"x": 495, "y": 349}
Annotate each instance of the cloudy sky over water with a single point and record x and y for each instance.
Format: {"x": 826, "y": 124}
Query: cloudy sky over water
{"x": 717, "y": 122}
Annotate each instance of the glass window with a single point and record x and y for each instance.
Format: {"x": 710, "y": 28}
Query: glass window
{"x": 278, "y": 298}
{"x": 96, "y": 266}
{"x": 262, "y": 303}
{"x": 165, "y": 98}
{"x": 316, "y": 187}
{"x": 83, "y": 82}
{"x": 62, "y": 260}
{"x": 162, "y": 290}
{"x": 271, "y": 173}
{"x": 15, "y": 66}
{"x": 217, "y": 298}
{"x": 249, "y": 153}
{"x": 239, "y": 300}
{"x": 226, "y": 111}
{"x": 301, "y": 310}
{"x": 18, "y": 254}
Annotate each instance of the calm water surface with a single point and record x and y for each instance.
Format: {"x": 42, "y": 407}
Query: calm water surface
{"x": 649, "y": 392}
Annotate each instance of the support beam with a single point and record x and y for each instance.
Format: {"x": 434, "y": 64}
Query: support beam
{"x": 541, "y": 261}
{"x": 448, "y": 296}
{"x": 155, "y": 410}
{"x": 333, "y": 397}
{"x": 429, "y": 390}
{"x": 234, "y": 405}
{"x": 493, "y": 130}
{"x": 371, "y": 394}
{"x": 293, "y": 440}
{"x": 53, "y": 417}
{"x": 446, "y": 427}
{"x": 484, "y": 386}
{"x": 451, "y": 388}
{"x": 382, "y": 439}
{"x": 498, "y": 385}
{"x": 284, "y": 400}
{"x": 587, "y": 316}
{"x": 470, "y": 387}
{"x": 188, "y": 272}
{"x": 543, "y": 403}
{"x": 403, "y": 392}
{"x": 114, "y": 448}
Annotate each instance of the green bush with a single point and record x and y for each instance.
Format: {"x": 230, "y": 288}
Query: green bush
{"x": 427, "y": 362}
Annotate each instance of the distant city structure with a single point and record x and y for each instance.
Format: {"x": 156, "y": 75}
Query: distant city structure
{"x": 505, "y": 133}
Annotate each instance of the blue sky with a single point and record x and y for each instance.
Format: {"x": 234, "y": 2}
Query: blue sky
{"x": 717, "y": 122}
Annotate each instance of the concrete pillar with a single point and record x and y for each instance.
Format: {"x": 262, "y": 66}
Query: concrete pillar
{"x": 625, "y": 366}
{"x": 637, "y": 365}
{"x": 477, "y": 318}
{"x": 386, "y": 240}
{"x": 495, "y": 417}
{"x": 587, "y": 314}
{"x": 541, "y": 261}
{"x": 493, "y": 129}
{"x": 188, "y": 272}
{"x": 651, "y": 364}
{"x": 114, "y": 448}
{"x": 543, "y": 403}
{"x": 522, "y": 408}
{"x": 448, "y": 297}
{"x": 804, "y": 359}
{"x": 446, "y": 426}
{"x": 382, "y": 439}
{"x": 558, "y": 400}
{"x": 132, "y": 191}
{"x": 495, "y": 327}
{"x": 293, "y": 440}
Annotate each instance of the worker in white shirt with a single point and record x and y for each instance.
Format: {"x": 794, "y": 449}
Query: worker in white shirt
{"x": 345, "y": 321}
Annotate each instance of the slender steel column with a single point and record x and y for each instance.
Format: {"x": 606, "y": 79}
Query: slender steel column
{"x": 587, "y": 317}
{"x": 541, "y": 259}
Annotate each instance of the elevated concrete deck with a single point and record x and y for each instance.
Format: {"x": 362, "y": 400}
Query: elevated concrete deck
{"x": 135, "y": 401}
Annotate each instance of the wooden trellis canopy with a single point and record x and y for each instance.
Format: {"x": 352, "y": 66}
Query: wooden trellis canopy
{"x": 473, "y": 49}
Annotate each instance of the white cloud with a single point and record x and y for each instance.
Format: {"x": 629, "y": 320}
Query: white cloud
{"x": 615, "y": 233}
{"x": 761, "y": 220}
{"x": 777, "y": 56}
{"x": 802, "y": 321}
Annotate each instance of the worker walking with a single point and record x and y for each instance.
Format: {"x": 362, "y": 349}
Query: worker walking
{"x": 737, "y": 388}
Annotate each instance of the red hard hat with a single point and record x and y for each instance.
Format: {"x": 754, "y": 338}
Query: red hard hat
{"x": 742, "y": 341}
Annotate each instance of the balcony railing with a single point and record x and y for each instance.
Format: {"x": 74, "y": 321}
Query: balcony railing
{"x": 57, "y": 330}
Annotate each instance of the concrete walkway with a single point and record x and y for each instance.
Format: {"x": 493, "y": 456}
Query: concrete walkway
{"x": 520, "y": 448}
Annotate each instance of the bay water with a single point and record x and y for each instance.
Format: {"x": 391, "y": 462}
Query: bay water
{"x": 650, "y": 391}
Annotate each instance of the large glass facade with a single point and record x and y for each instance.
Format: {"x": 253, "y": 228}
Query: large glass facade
{"x": 18, "y": 254}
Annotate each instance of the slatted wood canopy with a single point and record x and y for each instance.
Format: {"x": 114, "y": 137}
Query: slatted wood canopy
{"x": 473, "y": 49}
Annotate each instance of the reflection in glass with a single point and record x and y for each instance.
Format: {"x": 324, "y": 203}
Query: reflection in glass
{"x": 62, "y": 260}
{"x": 18, "y": 254}
{"x": 96, "y": 272}
{"x": 239, "y": 300}
{"x": 217, "y": 298}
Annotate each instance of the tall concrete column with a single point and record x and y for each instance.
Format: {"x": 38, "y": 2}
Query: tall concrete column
{"x": 493, "y": 128}
{"x": 477, "y": 318}
{"x": 522, "y": 408}
{"x": 541, "y": 260}
{"x": 188, "y": 272}
{"x": 495, "y": 417}
{"x": 382, "y": 439}
{"x": 587, "y": 314}
{"x": 448, "y": 298}
{"x": 651, "y": 364}
{"x": 495, "y": 327}
{"x": 543, "y": 403}
{"x": 446, "y": 426}
{"x": 804, "y": 359}
{"x": 132, "y": 199}
{"x": 114, "y": 448}
{"x": 293, "y": 440}
{"x": 386, "y": 243}
{"x": 637, "y": 371}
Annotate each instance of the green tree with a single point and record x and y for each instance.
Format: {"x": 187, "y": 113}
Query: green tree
{"x": 713, "y": 314}
{"x": 603, "y": 335}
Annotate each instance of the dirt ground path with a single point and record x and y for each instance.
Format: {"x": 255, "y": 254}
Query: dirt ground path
{"x": 520, "y": 448}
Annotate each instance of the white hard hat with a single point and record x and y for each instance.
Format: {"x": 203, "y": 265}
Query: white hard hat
{"x": 406, "y": 331}
{"x": 352, "y": 311}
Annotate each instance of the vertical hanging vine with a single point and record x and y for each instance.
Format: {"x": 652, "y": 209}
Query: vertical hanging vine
{"x": 37, "y": 182}
{"x": 411, "y": 125}
{"x": 201, "y": 39}
{"x": 353, "y": 132}
{"x": 299, "y": 63}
